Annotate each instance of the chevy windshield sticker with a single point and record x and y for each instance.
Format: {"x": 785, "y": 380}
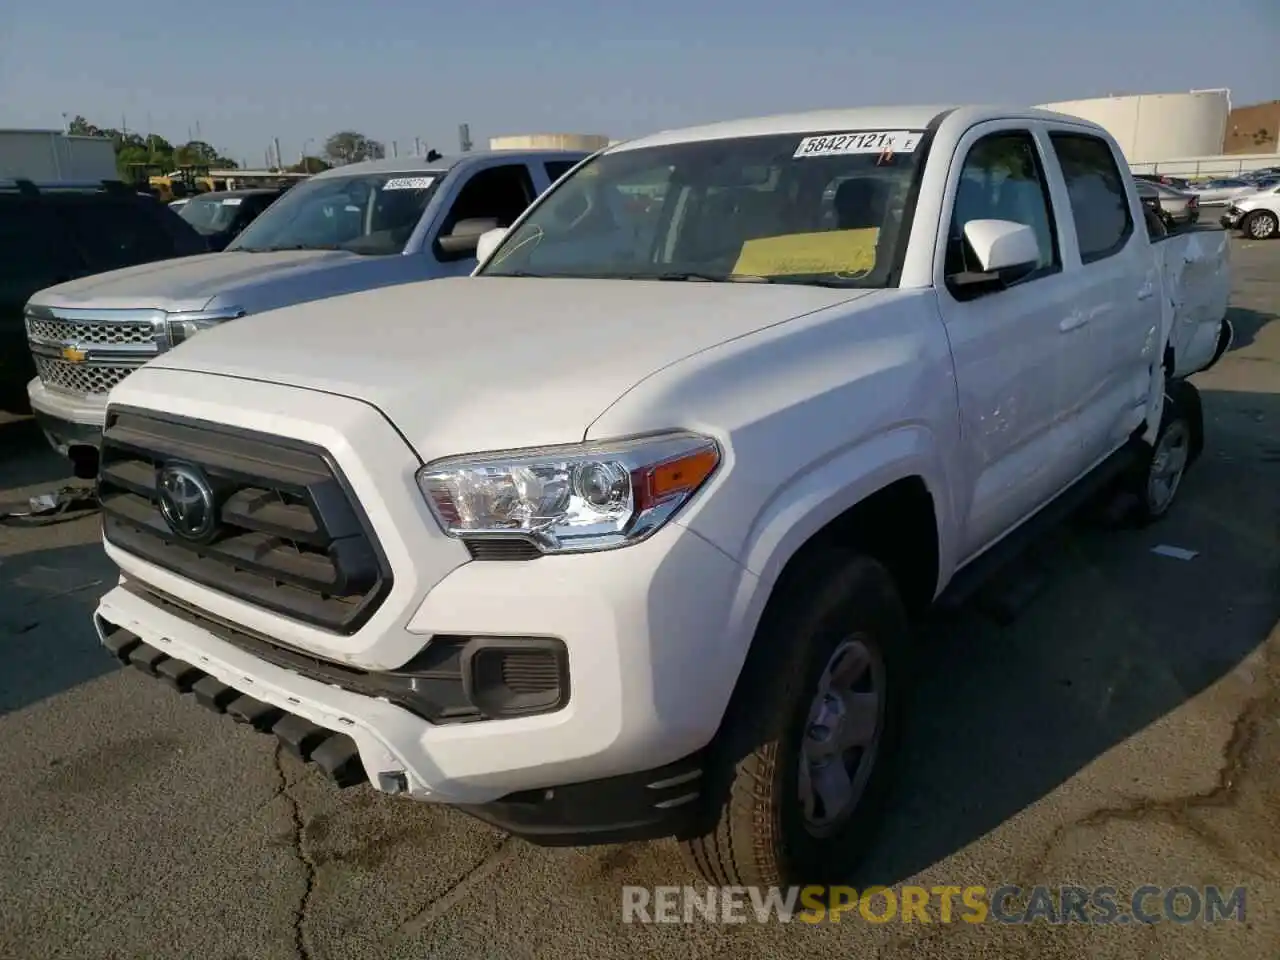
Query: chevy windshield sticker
{"x": 872, "y": 141}
{"x": 409, "y": 183}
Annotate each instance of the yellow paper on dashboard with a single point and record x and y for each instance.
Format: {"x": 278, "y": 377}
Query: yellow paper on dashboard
{"x": 830, "y": 251}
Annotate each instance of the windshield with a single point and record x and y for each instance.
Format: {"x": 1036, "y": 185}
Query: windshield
{"x": 210, "y": 214}
{"x": 822, "y": 210}
{"x": 373, "y": 214}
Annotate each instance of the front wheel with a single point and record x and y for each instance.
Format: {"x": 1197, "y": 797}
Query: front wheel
{"x": 1261, "y": 225}
{"x": 1160, "y": 473}
{"x": 800, "y": 772}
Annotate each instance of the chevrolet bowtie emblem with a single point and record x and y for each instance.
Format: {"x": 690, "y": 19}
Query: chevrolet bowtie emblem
{"x": 74, "y": 354}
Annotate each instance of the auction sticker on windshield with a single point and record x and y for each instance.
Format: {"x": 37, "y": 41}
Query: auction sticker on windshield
{"x": 865, "y": 141}
{"x": 232, "y": 201}
{"x": 408, "y": 183}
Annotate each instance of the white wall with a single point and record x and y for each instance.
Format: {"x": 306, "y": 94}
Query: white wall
{"x": 49, "y": 155}
{"x": 87, "y": 158}
{"x": 1158, "y": 126}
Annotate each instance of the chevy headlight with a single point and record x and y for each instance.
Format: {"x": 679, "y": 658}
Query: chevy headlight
{"x": 590, "y": 496}
{"x": 181, "y": 327}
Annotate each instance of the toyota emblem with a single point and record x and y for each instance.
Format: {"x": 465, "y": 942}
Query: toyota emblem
{"x": 186, "y": 501}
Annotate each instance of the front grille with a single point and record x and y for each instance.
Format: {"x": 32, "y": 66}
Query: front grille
{"x": 106, "y": 346}
{"x": 89, "y": 332}
{"x": 82, "y": 378}
{"x": 288, "y": 535}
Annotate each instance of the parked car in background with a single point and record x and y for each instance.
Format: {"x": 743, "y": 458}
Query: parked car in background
{"x": 1178, "y": 183}
{"x": 356, "y": 227}
{"x": 1264, "y": 182}
{"x": 54, "y": 232}
{"x": 221, "y": 217}
{"x": 1256, "y": 215}
{"x": 1175, "y": 207}
{"x": 1220, "y": 191}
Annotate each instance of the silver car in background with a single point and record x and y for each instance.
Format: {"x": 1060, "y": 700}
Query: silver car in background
{"x": 1221, "y": 191}
{"x": 1177, "y": 208}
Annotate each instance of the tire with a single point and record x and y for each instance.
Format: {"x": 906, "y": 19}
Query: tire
{"x": 1261, "y": 225}
{"x": 835, "y": 608}
{"x": 1158, "y": 478}
{"x": 1187, "y": 398}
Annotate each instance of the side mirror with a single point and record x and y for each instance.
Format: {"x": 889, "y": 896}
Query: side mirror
{"x": 1002, "y": 245}
{"x": 464, "y": 239}
{"x": 489, "y": 241}
{"x": 1005, "y": 251}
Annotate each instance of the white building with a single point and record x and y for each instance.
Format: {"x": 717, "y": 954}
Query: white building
{"x": 549, "y": 141}
{"x": 1158, "y": 126}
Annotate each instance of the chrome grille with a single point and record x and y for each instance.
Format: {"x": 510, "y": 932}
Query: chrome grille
{"x": 89, "y": 332}
{"x": 80, "y": 378}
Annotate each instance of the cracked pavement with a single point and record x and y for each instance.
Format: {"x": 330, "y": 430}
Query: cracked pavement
{"x": 1123, "y": 730}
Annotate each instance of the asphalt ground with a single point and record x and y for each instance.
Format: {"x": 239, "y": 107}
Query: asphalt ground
{"x": 1123, "y": 730}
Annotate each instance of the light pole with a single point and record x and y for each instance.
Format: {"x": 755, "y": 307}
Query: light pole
{"x": 302, "y": 157}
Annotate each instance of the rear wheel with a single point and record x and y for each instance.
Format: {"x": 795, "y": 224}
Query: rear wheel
{"x": 1261, "y": 225}
{"x": 799, "y": 775}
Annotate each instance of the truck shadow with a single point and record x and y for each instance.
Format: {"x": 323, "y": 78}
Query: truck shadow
{"x": 26, "y": 459}
{"x": 47, "y": 641}
{"x": 1119, "y": 638}
{"x": 1246, "y": 323}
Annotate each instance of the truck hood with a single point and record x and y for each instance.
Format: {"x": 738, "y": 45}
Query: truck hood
{"x": 189, "y": 283}
{"x": 486, "y": 363}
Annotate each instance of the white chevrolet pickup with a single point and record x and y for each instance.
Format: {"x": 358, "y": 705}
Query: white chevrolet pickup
{"x": 624, "y": 535}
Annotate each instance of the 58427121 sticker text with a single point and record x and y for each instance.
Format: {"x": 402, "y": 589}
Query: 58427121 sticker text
{"x": 864, "y": 141}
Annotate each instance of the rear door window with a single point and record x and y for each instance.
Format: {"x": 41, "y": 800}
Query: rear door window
{"x": 114, "y": 233}
{"x": 1099, "y": 203}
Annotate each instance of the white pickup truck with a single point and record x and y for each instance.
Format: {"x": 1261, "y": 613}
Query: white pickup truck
{"x": 624, "y": 536}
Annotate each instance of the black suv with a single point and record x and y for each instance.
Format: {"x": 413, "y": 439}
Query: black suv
{"x": 51, "y": 233}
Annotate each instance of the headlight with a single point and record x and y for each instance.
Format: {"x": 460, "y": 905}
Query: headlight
{"x": 181, "y": 327}
{"x": 590, "y": 496}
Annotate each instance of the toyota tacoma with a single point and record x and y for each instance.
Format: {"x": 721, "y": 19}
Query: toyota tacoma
{"x": 624, "y": 535}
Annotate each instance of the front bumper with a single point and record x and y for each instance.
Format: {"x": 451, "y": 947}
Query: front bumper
{"x": 644, "y": 805}
{"x": 649, "y": 666}
{"x": 1230, "y": 219}
{"x": 68, "y": 421}
{"x": 653, "y": 634}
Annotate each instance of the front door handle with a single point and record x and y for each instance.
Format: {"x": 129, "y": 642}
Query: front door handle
{"x": 1146, "y": 291}
{"x": 1073, "y": 321}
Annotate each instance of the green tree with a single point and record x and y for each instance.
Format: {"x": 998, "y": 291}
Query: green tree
{"x": 348, "y": 146}
{"x": 135, "y": 151}
{"x": 199, "y": 153}
{"x": 81, "y": 127}
{"x": 309, "y": 165}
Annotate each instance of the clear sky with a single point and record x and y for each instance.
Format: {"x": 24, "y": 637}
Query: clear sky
{"x": 249, "y": 70}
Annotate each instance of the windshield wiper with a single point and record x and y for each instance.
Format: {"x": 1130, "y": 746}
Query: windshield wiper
{"x": 708, "y": 277}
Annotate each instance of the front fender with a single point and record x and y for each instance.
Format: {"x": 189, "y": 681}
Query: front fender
{"x": 820, "y": 493}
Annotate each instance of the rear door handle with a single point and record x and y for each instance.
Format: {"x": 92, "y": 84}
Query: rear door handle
{"x": 1073, "y": 321}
